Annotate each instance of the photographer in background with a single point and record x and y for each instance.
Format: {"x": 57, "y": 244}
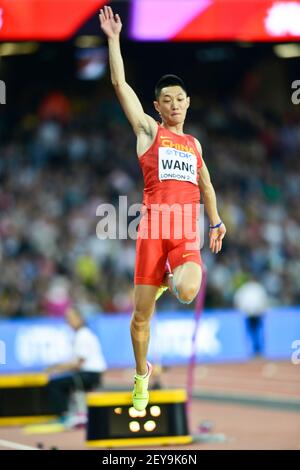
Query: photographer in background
{"x": 83, "y": 372}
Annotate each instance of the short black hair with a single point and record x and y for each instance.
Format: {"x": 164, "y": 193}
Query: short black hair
{"x": 168, "y": 80}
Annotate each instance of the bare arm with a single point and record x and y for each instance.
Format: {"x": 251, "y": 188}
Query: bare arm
{"x": 210, "y": 201}
{"x": 209, "y": 195}
{"x": 139, "y": 120}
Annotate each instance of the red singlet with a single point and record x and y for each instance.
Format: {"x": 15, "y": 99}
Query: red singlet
{"x": 169, "y": 224}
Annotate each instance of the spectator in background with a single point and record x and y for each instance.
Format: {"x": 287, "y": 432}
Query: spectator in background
{"x": 57, "y": 299}
{"x": 83, "y": 372}
{"x": 251, "y": 298}
{"x": 55, "y": 106}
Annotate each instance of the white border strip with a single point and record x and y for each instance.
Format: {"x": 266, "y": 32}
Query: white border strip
{"x": 15, "y": 445}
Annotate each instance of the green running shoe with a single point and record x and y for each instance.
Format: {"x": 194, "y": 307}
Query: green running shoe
{"x": 140, "y": 394}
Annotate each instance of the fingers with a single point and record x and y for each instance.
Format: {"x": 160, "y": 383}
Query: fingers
{"x": 211, "y": 241}
{"x": 215, "y": 243}
{"x": 110, "y": 13}
{"x": 215, "y": 246}
{"x": 218, "y": 245}
{"x": 106, "y": 13}
{"x": 101, "y": 16}
{"x": 216, "y": 238}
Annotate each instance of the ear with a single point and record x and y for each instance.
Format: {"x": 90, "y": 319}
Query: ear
{"x": 188, "y": 101}
{"x": 156, "y": 106}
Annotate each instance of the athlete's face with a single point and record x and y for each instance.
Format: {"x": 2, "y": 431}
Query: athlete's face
{"x": 73, "y": 318}
{"x": 172, "y": 104}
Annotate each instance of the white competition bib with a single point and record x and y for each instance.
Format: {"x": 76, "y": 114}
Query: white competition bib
{"x": 177, "y": 165}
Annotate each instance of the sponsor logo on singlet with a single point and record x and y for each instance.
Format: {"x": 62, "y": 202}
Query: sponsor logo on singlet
{"x": 166, "y": 142}
{"x": 177, "y": 165}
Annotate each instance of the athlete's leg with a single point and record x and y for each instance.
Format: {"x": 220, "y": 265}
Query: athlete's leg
{"x": 148, "y": 276}
{"x": 144, "y": 304}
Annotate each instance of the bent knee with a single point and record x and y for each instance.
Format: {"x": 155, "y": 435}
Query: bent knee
{"x": 187, "y": 293}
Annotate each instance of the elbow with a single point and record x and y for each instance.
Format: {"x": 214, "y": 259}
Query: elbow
{"x": 207, "y": 190}
{"x": 118, "y": 84}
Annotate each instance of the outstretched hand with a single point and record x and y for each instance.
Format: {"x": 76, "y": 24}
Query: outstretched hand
{"x": 110, "y": 23}
{"x": 216, "y": 236}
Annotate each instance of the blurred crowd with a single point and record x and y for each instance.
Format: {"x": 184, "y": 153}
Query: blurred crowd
{"x": 67, "y": 157}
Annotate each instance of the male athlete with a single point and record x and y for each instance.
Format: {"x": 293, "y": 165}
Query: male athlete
{"x": 173, "y": 171}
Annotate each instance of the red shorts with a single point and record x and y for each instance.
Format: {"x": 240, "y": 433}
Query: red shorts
{"x": 160, "y": 237}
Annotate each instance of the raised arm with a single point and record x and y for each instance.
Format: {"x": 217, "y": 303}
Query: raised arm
{"x": 111, "y": 25}
{"x": 217, "y": 234}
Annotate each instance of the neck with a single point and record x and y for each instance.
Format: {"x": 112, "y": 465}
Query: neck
{"x": 177, "y": 128}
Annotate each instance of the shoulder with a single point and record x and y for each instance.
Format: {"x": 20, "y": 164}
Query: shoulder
{"x": 196, "y": 142}
{"x": 198, "y": 145}
{"x": 83, "y": 333}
